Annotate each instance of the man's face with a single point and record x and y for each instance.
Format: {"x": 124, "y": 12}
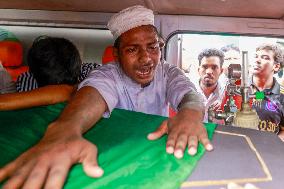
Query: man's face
{"x": 139, "y": 53}
{"x": 209, "y": 70}
{"x": 230, "y": 57}
{"x": 264, "y": 64}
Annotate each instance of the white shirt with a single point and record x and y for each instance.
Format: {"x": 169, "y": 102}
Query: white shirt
{"x": 119, "y": 91}
{"x": 216, "y": 95}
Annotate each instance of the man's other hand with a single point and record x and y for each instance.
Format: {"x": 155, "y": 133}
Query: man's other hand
{"x": 184, "y": 130}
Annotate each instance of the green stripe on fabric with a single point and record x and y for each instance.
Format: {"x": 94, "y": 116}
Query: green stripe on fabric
{"x": 127, "y": 157}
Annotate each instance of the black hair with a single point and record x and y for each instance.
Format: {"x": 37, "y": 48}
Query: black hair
{"x": 54, "y": 61}
{"x": 211, "y": 52}
{"x": 230, "y": 47}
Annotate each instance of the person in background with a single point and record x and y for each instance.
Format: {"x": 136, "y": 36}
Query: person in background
{"x": 11, "y": 53}
{"x": 55, "y": 71}
{"x": 232, "y": 56}
{"x": 6, "y": 83}
{"x": 269, "y": 59}
{"x": 139, "y": 81}
{"x": 210, "y": 68}
{"x": 53, "y": 61}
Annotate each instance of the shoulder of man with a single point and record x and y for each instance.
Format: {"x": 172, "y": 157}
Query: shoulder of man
{"x": 170, "y": 68}
{"x": 110, "y": 70}
{"x": 86, "y": 68}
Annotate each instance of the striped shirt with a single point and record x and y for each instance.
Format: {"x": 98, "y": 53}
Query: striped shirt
{"x": 27, "y": 82}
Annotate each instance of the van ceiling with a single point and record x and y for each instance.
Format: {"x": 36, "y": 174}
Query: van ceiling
{"x": 228, "y": 8}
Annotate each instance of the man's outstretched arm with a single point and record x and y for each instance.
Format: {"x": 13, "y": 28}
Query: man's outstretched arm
{"x": 47, "y": 95}
{"x": 46, "y": 164}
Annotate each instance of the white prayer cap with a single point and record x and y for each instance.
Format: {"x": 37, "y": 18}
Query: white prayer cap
{"x": 129, "y": 18}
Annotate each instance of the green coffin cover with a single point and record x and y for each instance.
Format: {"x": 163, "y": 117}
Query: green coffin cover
{"x": 129, "y": 160}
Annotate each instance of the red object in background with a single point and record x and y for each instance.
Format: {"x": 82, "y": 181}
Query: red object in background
{"x": 11, "y": 53}
{"x": 237, "y": 98}
{"x": 172, "y": 113}
{"x": 16, "y": 71}
{"x": 108, "y": 55}
{"x": 11, "y": 57}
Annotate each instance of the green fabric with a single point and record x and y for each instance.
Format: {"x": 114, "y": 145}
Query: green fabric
{"x": 127, "y": 157}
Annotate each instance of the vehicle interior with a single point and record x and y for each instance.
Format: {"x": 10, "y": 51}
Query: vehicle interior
{"x": 188, "y": 27}
{"x": 86, "y": 20}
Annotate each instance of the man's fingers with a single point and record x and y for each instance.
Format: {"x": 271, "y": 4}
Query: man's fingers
{"x": 192, "y": 145}
{"x": 18, "y": 178}
{"x": 37, "y": 176}
{"x": 180, "y": 145}
{"x": 7, "y": 170}
{"x": 39, "y": 171}
{"x": 162, "y": 130}
{"x": 90, "y": 164}
{"x": 205, "y": 141}
{"x": 57, "y": 174}
{"x": 13, "y": 167}
{"x": 171, "y": 142}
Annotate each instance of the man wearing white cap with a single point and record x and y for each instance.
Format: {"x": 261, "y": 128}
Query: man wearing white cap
{"x": 138, "y": 82}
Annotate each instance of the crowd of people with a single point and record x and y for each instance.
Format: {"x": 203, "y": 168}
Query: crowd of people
{"x": 269, "y": 59}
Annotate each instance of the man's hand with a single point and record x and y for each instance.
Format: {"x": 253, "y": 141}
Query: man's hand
{"x": 216, "y": 105}
{"x": 46, "y": 165}
{"x": 48, "y": 162}
{"x": 184, "y": 129}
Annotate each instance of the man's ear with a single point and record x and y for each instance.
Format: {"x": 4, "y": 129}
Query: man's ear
{"x": 161, "y": 44}
{"x": 115, "y": 54}
{"x": 221, "y": 70}
{"x": 276, "y": 67}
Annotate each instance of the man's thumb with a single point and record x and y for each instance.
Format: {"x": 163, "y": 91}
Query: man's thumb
{"x": 162, "y": 130}
{"x": 90, "y": 164}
